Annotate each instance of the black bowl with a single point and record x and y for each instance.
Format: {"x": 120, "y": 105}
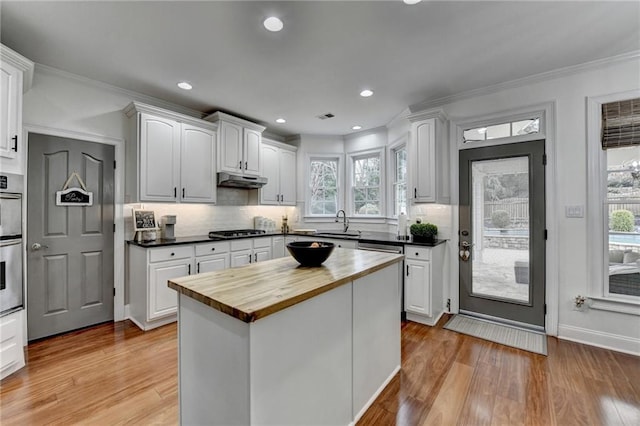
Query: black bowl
{"x": 310, "y": 253}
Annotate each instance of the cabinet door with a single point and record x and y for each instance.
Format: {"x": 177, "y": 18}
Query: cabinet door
{"x": 159, "y": 159}
{"x": 261, "y": 254}
{"x": 216, "y": 262}
{"x": 197, "y": 165}
{"x": 417, "y": 287}
{"x": 241, "y": 258}
{"x": 162, "y": 300}
{"x": 288, "y": 177}
{"x": 277, "y": 247}
{"x": 424, "y": 161}
{"x": 270, "y": 193}
{"x": 10, "y": 87}
{"x": 252, "y": 139}
{"x": 230, "y": 152}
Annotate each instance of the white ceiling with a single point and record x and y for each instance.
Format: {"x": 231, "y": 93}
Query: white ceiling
{"x": 327, "y": 53}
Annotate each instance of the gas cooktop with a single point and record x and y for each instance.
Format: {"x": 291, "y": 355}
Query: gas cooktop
{"x": 235, "y": 233}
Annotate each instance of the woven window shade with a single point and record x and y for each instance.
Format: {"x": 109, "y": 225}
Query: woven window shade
{"x": 621, "y": 123}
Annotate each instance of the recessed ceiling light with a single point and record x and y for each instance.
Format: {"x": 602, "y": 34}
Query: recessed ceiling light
{"x": 273, "y": 24}
{"x": 411, "y": 1}
{"x": 356, "y": 128}
{"x": 281, "y": 120}
{"x": 185, "y": 85}
{"x": 366, "y": 93}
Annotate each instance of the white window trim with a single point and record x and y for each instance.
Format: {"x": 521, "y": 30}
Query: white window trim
{"x": 598, "y": 288}
{"x": 402, "y": 141}
{"x": 307, "y": 194}
{"x": 351, "y": 156}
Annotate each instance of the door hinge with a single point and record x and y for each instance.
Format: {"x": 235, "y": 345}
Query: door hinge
{"x": 448, "y": 305}
{"x": 114, "y": 164}
{"x": 544, "y": 159}
{"x": 546, "y": 234}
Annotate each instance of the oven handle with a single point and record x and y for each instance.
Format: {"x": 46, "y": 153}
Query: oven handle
{"x": 10, "y": 196}
{"x": 382, "y": 250}
{"x": 7, "y": 243}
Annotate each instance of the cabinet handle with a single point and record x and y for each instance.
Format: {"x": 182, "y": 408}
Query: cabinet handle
{"x": 249, "y": 258}
{"x": 240, "y": 165}
{"x": 189, "y": 273}
{"x": 213, "y": 249}
{"x": 417, "y": 254}
{"x": 415, "y": 192}
{"x": 182, "y": 192}
{"x": 15, "y": 143}
{"x": 407, "y": 270}
{"x": 245, "y": 165}
{"x": 175, "y": 192}
{"x": 255, "y": 257}
{"x": 198, "y": 268}
{"x": 173, "y": 254}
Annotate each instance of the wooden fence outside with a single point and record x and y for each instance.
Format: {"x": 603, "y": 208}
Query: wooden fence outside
{"x": 518, "y": 209}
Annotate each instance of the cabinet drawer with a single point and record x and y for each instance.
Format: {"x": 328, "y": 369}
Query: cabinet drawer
{"x": 212, "y": 248}
{"x": 9, "y": 353}
{"x": 170, "y": 253}
{"x": 8, "y": 329}
{"x": 262, "y": 242}
{"x": 415, "y": 252}
{"x": 243, "y": 244}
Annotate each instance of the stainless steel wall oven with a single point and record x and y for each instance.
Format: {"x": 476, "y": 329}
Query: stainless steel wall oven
{"x": 11, "y": 251}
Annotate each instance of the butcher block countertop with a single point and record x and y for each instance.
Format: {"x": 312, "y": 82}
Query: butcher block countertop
{"x": 251, "y": 292}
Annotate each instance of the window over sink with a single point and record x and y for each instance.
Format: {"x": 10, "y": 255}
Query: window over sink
{"x": 323, "y": 195}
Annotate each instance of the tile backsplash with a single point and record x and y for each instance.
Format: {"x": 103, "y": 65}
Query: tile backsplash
{"x": 199, "y": 219}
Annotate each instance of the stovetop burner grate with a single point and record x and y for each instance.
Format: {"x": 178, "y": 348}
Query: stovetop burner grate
{"x": 235, "y": 233}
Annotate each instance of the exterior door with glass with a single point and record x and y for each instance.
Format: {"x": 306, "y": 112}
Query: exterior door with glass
{"x": 502, "y": 232}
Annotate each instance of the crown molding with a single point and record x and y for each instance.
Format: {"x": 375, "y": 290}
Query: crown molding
{"x": 221, "y": 116}
{"x": 136, "y": 107}
{"x": 17, "y": 60}
{"x": 427, "y": 114}
{"x": 536, "y": 78}
{"x": 134, "y": 96}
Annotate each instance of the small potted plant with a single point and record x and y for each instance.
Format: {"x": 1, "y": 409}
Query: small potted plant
{"x": 424, "y": 232}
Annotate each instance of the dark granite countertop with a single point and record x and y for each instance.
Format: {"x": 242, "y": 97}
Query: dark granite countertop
{"x": 369, "y": 237}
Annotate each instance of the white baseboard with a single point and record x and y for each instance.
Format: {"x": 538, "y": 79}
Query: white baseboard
{"x": 430, "y": 321}
{"x": 375, "y": 395}
{"x": 600, "y": 339}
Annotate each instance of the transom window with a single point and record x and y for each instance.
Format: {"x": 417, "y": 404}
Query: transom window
{"x": 366, "y": 184}
{"x": 502, "y": 130}
{"x": 323, "y": 186}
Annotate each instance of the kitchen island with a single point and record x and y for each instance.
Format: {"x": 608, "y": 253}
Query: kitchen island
{"x": 275, "y": 343}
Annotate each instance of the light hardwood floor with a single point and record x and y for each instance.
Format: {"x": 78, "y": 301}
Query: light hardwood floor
{"x": 115, "y": 374}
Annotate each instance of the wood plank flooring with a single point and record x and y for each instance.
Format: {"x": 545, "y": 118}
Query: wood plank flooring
{"x": 115, "y": 374}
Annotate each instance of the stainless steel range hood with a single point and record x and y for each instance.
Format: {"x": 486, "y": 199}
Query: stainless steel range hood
{"x": 239, "y": 181}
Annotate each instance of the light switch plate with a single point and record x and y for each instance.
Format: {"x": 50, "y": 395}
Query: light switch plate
{"x": 574, "y": 211}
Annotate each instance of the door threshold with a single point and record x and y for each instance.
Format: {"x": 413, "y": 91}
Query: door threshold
{"x": 516, "y": 324}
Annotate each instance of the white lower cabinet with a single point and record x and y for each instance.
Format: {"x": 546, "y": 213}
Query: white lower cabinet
{"x": 212, "y": 256}
{"x": 423, "y": 283}
{"x": 11, "y": 344}
{"x": 278, "y": 247}
{"x": 151, "y": 302}
{"x": 246, "y": 251}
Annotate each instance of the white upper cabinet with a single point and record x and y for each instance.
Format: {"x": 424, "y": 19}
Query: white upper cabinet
{"x": 239, "y": 147}
{"x": 16, "y": 74}
{"x": 279, "y": 167}
{"x": 198, "y": 168}
{"x": 429, "y": 158}
{"x": 170, "y": 157}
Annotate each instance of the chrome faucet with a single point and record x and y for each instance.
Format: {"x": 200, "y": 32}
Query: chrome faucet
{"x": 345, "y": 221}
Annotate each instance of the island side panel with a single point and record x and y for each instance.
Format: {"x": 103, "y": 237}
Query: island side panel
{"x": 301, "y": 363}
{"x": 214, "y": 366}
{"x": 376, "y": 334}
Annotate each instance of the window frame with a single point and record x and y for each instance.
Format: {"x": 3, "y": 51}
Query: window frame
{"x": 352, "y": 157}
{"x": 597, "y": 213}
{"x": 400, "y": 143}
{"x": 339, "y": 158}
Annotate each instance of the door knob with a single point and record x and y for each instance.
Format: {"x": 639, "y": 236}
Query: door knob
{"x": 38, "y": 246}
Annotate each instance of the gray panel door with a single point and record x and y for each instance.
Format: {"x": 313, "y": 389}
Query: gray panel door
{"x": 502, "y": 232}
{"x": 69, "y": 248}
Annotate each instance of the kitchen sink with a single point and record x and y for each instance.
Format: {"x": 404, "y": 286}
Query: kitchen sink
{"x": 337, "y": 234}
